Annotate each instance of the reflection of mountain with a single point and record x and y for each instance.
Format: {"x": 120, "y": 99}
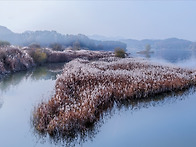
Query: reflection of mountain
{"x": 45, "y": 38}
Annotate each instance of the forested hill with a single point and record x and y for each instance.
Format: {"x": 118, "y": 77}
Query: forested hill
{"x": 45, "y": 38}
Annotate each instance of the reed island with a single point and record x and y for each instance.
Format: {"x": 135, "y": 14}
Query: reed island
{"x": 86, "y": 89}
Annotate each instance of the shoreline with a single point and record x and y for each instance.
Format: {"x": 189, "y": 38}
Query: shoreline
{"x": 14, "y": 59}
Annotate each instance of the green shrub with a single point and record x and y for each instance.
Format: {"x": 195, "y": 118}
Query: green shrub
{"x": 38, "y": 56}
{"x": 119, "y": 52}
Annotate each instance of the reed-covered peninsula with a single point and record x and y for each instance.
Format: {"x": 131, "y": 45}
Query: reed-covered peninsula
{"x": 86, "y": 89}
{"x": 14, "y": 59}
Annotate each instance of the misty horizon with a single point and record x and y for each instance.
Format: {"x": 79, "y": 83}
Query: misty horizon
{"x": 96, "y": 36}
{"x": 128, "y": 19}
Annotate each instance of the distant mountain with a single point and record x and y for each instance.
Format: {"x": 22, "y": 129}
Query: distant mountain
{"x": 45, "y": 38}
{"x": 170, "y": 43}
{"x": 94, "y": 42}
{"x": 5, "y": 31}
{"x": 104, "y": 38}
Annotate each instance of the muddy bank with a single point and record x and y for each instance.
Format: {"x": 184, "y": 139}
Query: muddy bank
{"x": 86, "y": 89}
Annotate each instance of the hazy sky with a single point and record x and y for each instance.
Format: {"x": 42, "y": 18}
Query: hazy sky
{"x": 129, "y": 19}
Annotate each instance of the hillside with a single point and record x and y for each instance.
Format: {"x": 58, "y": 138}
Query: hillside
{"x": 45, "y": 38}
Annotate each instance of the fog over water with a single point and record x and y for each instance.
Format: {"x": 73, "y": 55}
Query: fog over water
{"x": 186, "y": 63}
{"x": 130, "y": 19}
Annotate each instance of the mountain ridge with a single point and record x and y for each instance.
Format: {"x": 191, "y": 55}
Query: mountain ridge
{"x": 93, "y": 42}
{"x": 45, "y": 38}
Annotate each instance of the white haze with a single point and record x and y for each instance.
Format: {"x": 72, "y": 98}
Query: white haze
{"x": 130, "y": 19}
{"x": 189, "y": 63}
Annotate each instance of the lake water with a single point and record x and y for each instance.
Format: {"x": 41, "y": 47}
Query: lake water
{"x": 167, "y": 120}
{"x": 169, "y": 55}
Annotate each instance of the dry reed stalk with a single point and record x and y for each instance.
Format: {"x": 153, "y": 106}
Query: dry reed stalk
{"x": 86, "y": 89}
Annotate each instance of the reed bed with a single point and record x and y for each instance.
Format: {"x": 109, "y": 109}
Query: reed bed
{"x": 68, "y": 55}
{"x": 86, "y": 89}
{"x": 14, "y": 59}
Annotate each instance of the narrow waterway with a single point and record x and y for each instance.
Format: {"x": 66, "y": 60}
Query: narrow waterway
{"x": 166, "y": 120}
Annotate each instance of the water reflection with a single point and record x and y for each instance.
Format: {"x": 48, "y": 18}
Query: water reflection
{"x": 71, "y": 139}
{"x": 43, "y": 72}
{"x": 39, "y": 73}
{"x": 12, "y": 80}
{"x": 47, "y": 72}
{"x": 79, "y": 138}
{"x": 159, "y": 100}
{"x": 170, "y": 55}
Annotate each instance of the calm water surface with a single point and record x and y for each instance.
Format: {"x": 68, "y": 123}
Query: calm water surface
{"x": 167, "y": 120}
{"x": 169, "y": 55}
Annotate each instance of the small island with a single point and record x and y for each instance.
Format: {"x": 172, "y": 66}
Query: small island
{"x": 86, "y": 89}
